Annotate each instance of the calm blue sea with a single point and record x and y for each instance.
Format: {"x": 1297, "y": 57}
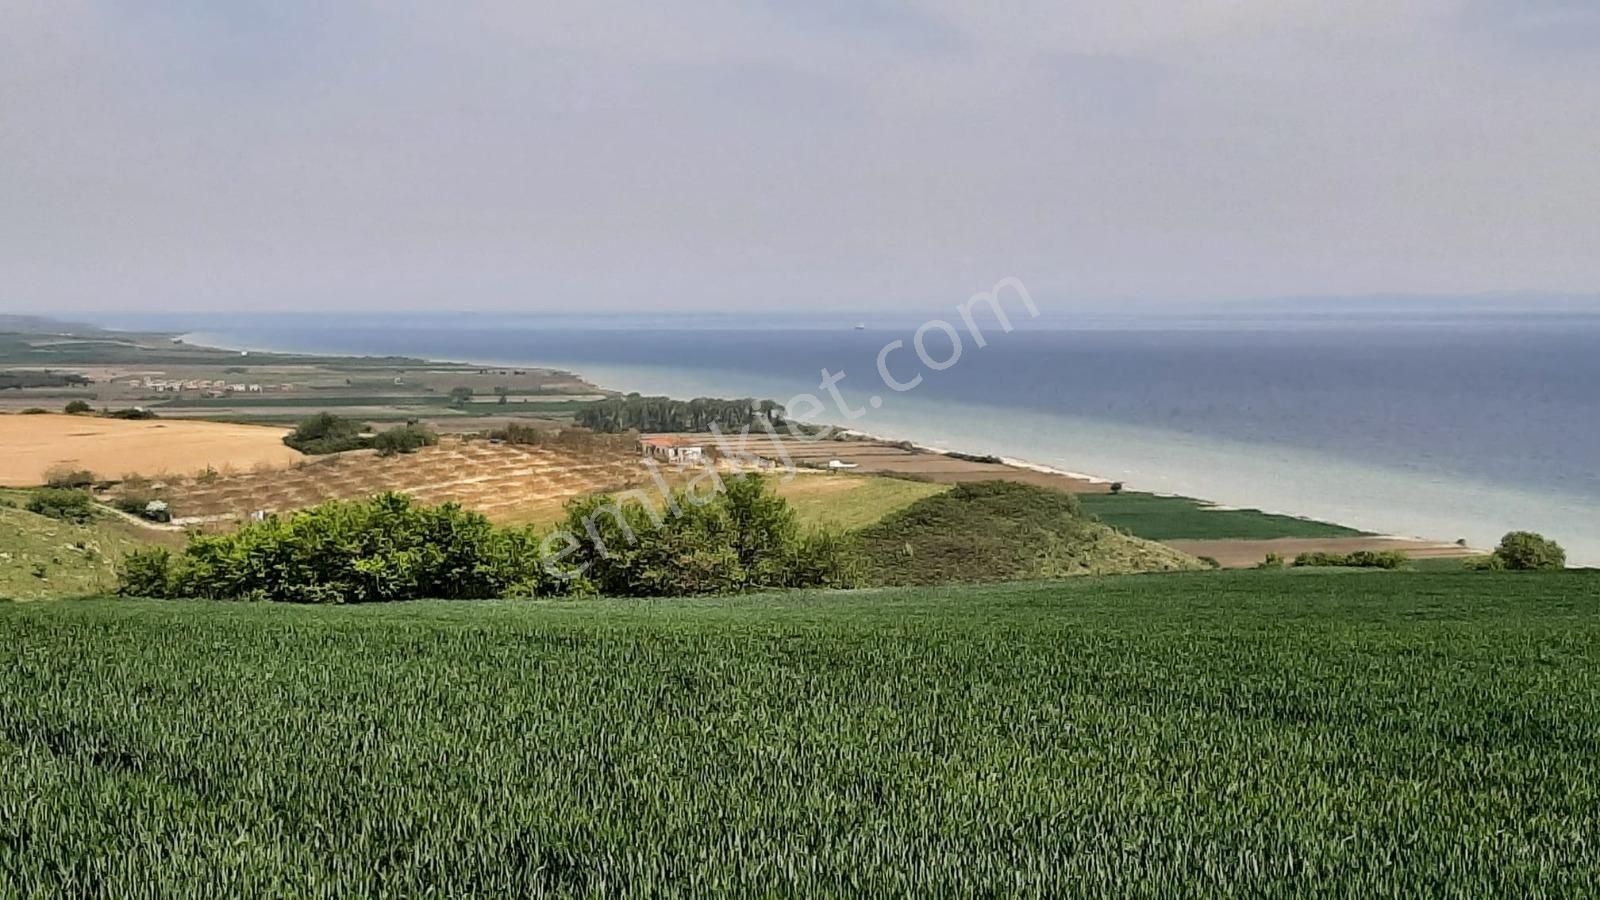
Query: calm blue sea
{"x": 1422, "y": 426}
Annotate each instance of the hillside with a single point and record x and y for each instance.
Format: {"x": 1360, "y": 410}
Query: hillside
{"x": 1215, "y": 734}
{"x": 1004, "y": 531}
{"x": 46, "y": 558}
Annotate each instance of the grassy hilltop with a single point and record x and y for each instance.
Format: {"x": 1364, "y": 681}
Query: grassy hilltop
{"x": 1209, "y": 733}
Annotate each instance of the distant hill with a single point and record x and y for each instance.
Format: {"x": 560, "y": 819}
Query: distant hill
{"x": 45, "y": 325}
{"x": 1004, "y": 531}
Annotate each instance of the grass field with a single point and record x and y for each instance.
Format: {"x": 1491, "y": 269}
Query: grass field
{"x": 47, "y": 558}
{"x": 851, "y": 501}
{"x": 1163, "y": 518}
{"x": 1206, "y": 734}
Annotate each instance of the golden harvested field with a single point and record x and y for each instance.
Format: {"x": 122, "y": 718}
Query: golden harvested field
{"x": 507, "y": 482}
{"x": 31, "y": 445}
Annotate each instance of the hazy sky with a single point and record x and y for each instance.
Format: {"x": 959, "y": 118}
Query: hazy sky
{"x": 590, "y": 155}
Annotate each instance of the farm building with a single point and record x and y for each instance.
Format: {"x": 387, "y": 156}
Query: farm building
{"x": 672, "y": 448}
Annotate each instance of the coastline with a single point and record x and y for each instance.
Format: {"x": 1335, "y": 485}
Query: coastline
{"x": 1020, "y": 463}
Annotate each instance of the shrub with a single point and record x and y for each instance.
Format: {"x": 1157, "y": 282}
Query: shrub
{"x": 1489, "y": 563}
{"x": 67, "y": 477}
{"x": 66, "y": 504}
{"x": 1360, "y": 559}
{"x": 1529, "y": 551}
{"x": 327, "y": 433}
{"x": 146, "y": 572}
{"x": 391, "y": 548}
{"x": 517, "y": 433}
{"x": 1211, "y": 562}
{"x": 1273, "y": 561}
{"x": 144, "y": 505}
{"x": 78, "y": 407}
{"x": 136, "y": 413}
{"x": 35, "y": 411}
{"x": 405, "y": 439}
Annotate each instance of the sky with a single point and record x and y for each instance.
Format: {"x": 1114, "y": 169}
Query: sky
{"x": 368, "y": 155}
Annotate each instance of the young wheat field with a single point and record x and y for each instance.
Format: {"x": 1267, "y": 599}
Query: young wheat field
{"x": 1179, "y": 734}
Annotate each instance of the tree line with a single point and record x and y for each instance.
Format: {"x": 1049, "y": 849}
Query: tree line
{"x": 637, "y": 412}
{"x": 391, "y": 548}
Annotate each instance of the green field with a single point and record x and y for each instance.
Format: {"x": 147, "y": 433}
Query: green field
{"x": 1206, "y": 734}
{"x": 1164, "y": 518}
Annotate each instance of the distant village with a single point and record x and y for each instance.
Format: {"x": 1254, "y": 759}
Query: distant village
{"x": 208, "y": 388}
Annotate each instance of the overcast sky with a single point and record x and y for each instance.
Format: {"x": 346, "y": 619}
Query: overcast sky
{"x": 581, "y": 156}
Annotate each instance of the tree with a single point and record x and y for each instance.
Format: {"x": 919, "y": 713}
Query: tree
{"x": 78, "y": 407}
{"x": 459, "y": 396}
{"x": 1529, "y": 551}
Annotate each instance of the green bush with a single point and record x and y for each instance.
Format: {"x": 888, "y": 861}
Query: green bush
{"x": 66, "y": 477}
{"x": 136, "y": 413}
{"x": 1489, "y": 563}
{"x": 741, "y": 538}
{"x": 517, "y": 433}
{"x": 66, "y": 504}
{"x": 146, "y": 572}
{"x": 404, "y": 439}
{"x": 78, "y": 407}
{"x": 327, "y": 433}
{"x": 1273, "y": 561}
{"x": 1360, "y": 559}
{"x": 1527, "y": 551}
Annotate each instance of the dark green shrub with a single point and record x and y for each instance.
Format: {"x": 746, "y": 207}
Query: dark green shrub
{"x": 327, "y": 433}
{"x": 405, "y": 439}
{"x": 136, "y": 413}
{"x": 741, "y": 538}
{"x": 1529, "y": 551}
{"x": 78, "y": 407}
{"x": 1360, "y": 559}
{"x": 146, "y": 573}
{"x": 517, "y": 433}
{"x": 66, "y": 504}
{"x": 66, "y": 477}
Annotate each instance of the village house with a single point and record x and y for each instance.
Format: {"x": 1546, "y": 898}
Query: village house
{"x": 672, "y": 448}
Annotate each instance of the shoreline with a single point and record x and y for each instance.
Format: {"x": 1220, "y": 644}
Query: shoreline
{"x": 1020, "y": 463}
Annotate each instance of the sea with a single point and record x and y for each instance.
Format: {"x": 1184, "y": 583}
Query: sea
{"x": 1430, "y": 425}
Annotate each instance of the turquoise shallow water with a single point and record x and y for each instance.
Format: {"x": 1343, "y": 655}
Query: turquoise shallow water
{"x": 1435, "y": 429}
